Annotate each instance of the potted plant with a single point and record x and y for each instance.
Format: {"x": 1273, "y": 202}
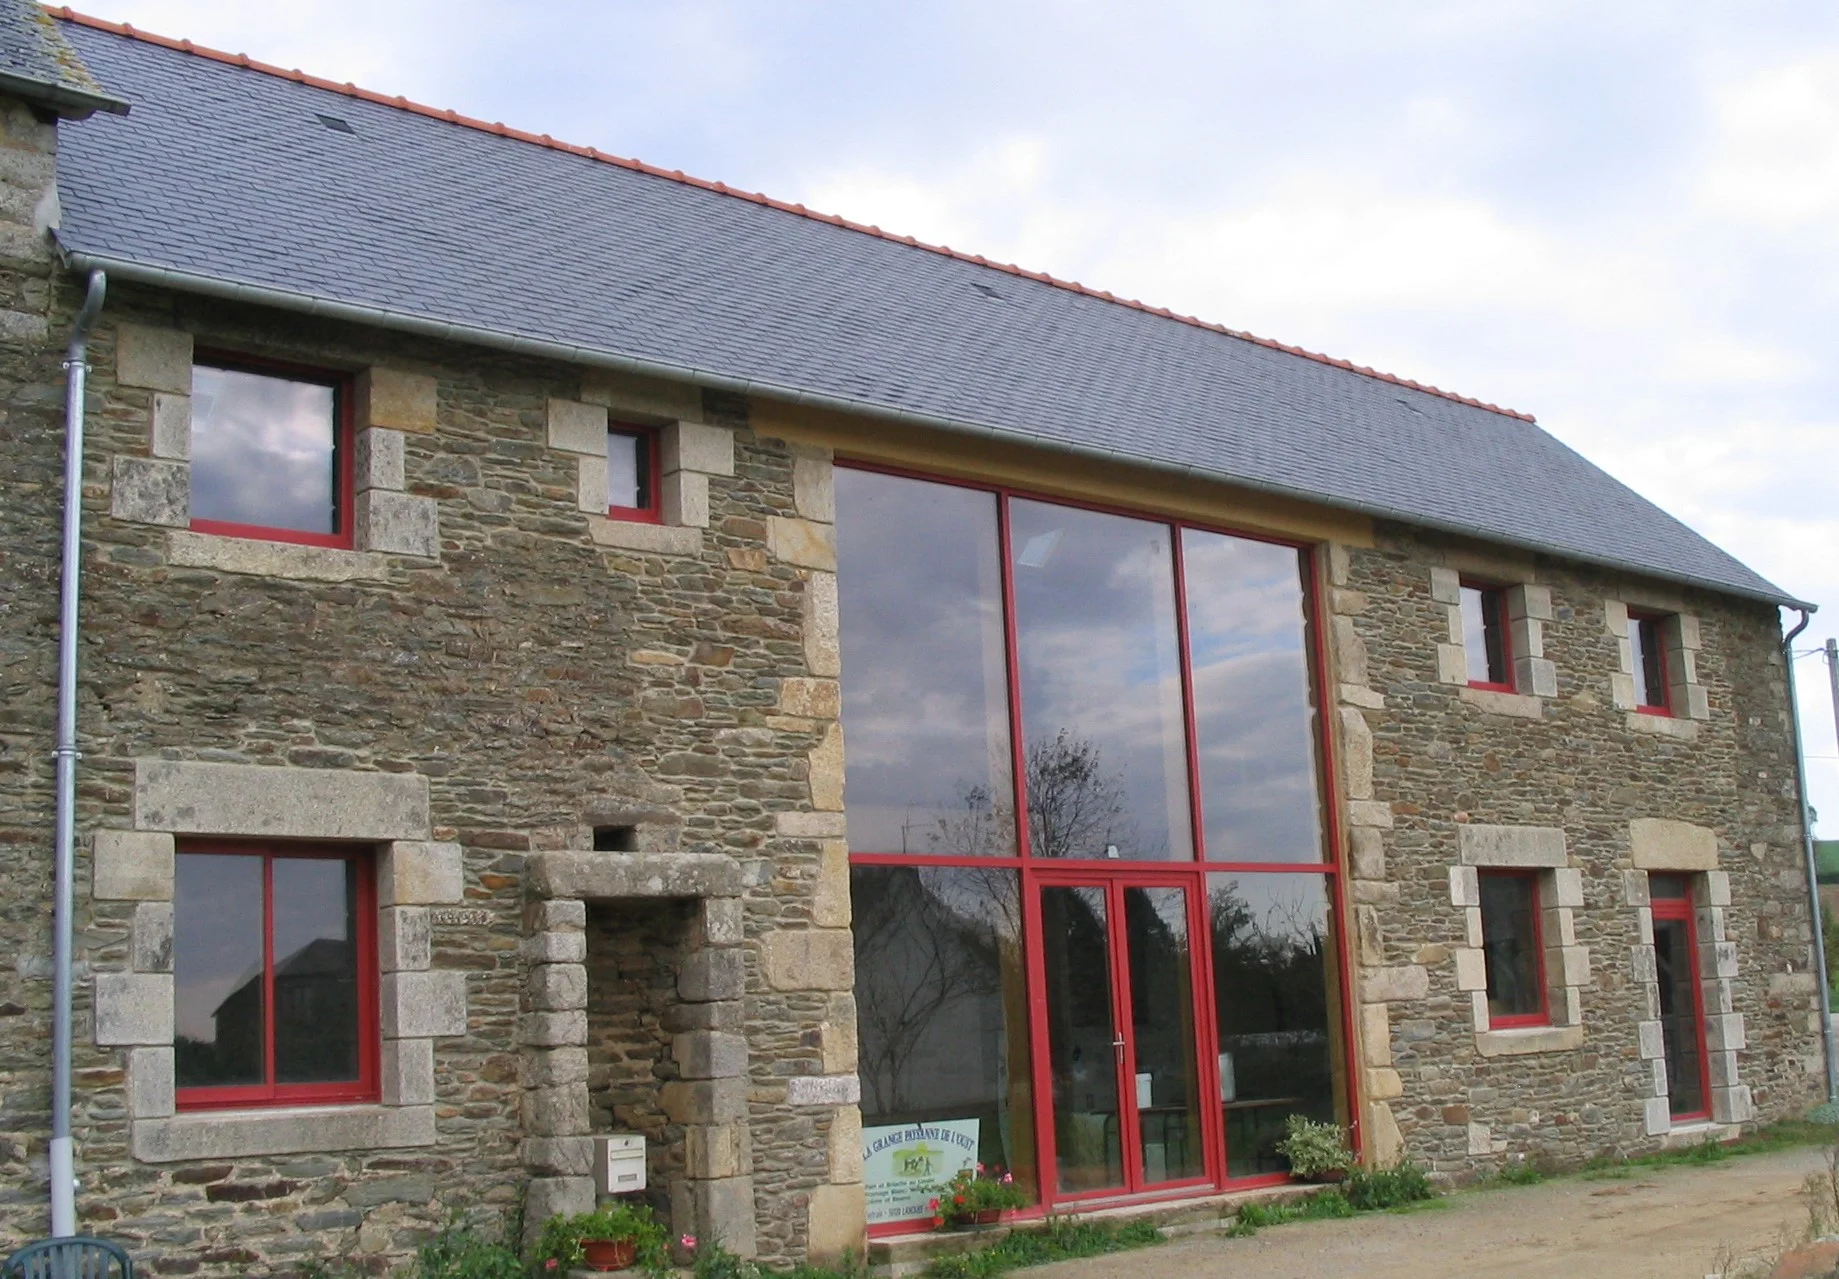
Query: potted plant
{"x": 616, "y": 1236}
{"x": 976, "y": 1196}
{"x": 1317, "y": 1151}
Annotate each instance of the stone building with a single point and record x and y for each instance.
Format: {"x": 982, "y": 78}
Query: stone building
{"x": 486, "y": 543}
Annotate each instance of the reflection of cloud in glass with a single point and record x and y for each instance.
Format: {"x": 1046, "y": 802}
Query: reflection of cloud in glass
{"x": 1095, "y": 633}
{"x": 262, "y": 450}
{"x": 925, "y": 708}
{"x": 1254, "y": 716}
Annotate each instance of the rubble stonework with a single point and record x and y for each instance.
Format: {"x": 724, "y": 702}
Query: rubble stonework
{"x": 1576, "y": 777}
{"x": 531, "y": 680}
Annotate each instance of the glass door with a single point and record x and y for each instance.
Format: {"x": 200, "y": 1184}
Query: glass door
{"x": 1118, "y": 971}
{"x": 1682, "y": 1022}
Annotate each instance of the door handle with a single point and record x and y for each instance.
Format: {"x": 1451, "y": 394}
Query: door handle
{"x": 1117, "y": 1046}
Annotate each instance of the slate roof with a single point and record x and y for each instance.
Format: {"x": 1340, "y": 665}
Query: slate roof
{"x": 37, "y": 64}
{"x": 228, "y": 175}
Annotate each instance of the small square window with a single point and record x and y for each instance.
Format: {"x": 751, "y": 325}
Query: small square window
{"x": 1512, "y": 948}
{"x": 270, "y": 453}
{"x": 1647, "y": 644}
{"x": 1484, "y": 637}
{"x": 632, "y": 473}
{"x": 274, "y": 976}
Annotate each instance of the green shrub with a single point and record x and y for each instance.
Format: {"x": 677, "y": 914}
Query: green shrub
{"x": 1313, "y": 1147}
{"x": 1058, "y": 1240}
{"x": 460, "y": 1252}
{"x": 1403, "y": 1183}
{"x": 1524, "y": 1173}
{"x": 558, "y": 1247}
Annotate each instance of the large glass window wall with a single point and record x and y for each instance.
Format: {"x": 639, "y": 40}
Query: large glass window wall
{"x": 1084, "y": 778}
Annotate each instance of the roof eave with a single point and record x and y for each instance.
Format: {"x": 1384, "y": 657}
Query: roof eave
{"x": 67, "y": 103}
{"x": 574, "y": 353}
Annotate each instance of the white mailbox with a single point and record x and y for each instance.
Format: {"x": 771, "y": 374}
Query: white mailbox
{"x": 619, "y": 1163}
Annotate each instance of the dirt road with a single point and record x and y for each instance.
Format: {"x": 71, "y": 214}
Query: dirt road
{"x": 1673, "y": 1223}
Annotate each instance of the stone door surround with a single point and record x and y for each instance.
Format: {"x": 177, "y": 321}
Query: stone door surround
{"x": 709, "y": 1099}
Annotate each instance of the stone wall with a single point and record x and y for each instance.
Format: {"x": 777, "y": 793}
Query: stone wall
{"x": 539, "y": 670}
{"x": 1441, "y": 778}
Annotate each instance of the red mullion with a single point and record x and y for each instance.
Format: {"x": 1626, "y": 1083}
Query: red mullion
{"x": 1123, "y": 1026}
{"x": 1326, "y": 697}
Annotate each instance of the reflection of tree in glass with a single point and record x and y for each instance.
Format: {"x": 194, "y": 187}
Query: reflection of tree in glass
{"x": 1074, "y": 808}
{"x": 986, "y": 827}
{"x": 925, "y": 942}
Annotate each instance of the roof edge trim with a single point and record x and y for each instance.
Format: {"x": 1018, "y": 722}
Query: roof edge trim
{"x": 573, "y": 353}
{"x": 69, "y": 103}
{"x": 499, "y": 129}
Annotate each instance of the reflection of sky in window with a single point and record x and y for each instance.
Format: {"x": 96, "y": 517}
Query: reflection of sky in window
{"x": 925, "y": 710}
{"x": 1095, "y": 632}
{"x": 625, "y": 469}
{"x": 1283, "y": 913}
{"x": 311, "y": 902}
{"x": 1253, "y": 713}
{"x": 262, "y": 451}
{"x": 217, "y": 935}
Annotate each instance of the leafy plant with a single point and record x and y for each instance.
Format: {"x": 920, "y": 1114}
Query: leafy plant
{"x": 1314, "y": 1147}
{"x": 1058, "y": 1240}
{"x": 971, "y": 1191}
{"x": 1372, "y": 1189}
{"x": 459, "y": 1251}
{"x": 1255, "y": 1216}
{"x": 1523, "y": 1173}
{"x": 558, "y": 1247}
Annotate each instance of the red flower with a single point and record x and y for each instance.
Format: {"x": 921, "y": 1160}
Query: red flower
{"x": 551, "y": 1264}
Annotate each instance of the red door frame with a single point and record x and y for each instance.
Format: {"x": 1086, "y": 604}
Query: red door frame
{"x": 1684, "y": 909}
{"x": 1191, "y": 874}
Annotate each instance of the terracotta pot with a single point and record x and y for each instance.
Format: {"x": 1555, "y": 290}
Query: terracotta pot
{"x": 1328, "y": 1176}
{"x": 609, "y": 1254}
{"x": 988, "y": 1216}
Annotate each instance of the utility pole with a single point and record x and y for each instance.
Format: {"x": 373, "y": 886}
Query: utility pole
{"x": 1832, "y": 674}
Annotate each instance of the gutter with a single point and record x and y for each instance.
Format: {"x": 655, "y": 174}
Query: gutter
{"x": 574, "y": 353}
{"x": 68, "y": 103}
{"x": 62, "y": 1155}
{"x": 1813, "y": 867}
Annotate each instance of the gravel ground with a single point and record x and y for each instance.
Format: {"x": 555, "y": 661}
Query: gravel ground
{"x": 1671, "y": 1223}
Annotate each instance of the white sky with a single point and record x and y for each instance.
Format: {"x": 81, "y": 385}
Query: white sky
{"x": 1622, "y": 218}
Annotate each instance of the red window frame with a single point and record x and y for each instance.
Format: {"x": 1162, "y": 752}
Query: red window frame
{"x": 651, "y": 478}
{"x": 1033, "y": 871}
{"x": 344, "y": 496}
{"x": 367, "y": 1087}
{"x": 1684, "y": 908}
{"x": 1494, "y": 610}
{"x": 1542, "y": 1016}
{"x": 1656, "y": 622}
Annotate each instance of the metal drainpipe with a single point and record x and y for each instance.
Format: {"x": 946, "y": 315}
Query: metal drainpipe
{"x": 1813, "y": 869}
{"x": 62, "y": 1156}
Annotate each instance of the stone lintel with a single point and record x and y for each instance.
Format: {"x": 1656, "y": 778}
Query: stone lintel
{"x": 1659, "y": 844}
{"x": 192, "y": 798}
{"x": 1518, "y": 846}
{"x": 592, "y": 876}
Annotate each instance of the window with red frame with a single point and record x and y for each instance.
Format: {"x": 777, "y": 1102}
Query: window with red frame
{"x": 1646, "y": 641}
{"x": 274, "y": 975}
{"x": 1484, "y": 637}
{"x": 1512, "y": 950}
{"x": 270, "y": 452}
{"x": 632, "y": 474}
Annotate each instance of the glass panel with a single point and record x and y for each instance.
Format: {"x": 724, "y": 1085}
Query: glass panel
{"x": 1162, "y": 1033}
{"x": 1101, "y": 685}
{"x": 1277, "y": 992}
{"x": 941, "y": 1006}
{"x": 1667, "y": 887}
{"x": 1679, "y": 1015}
{"x": 217, "y": 970}
{"x": 1483, "y": 643}
{"x": 1254, "y": 704}
{"x": 262, "y": 451}
{"x": 316, "y": 970}
{"x": 1510, "y": 945}
{"x": 925, "y": 692}
{"x": 1650, "y": 666}
{"x": 1080, "y": 1037}
{"x": 628, "y": 470}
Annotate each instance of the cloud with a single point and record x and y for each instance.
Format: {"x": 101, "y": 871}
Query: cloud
{"x": 1777, "y": 158}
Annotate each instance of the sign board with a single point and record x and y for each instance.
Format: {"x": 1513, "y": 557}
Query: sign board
{"x": 905, "y": 1166}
